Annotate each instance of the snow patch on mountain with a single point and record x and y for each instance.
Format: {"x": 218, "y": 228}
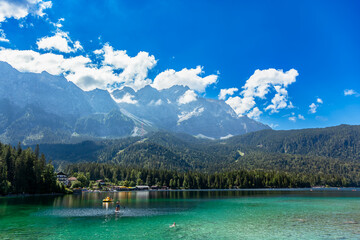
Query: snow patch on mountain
{"x": 155, "y": 103}
{"x": 226, "y": 137}
{"x": 127, "y": 98}
{"x": 204, "y": 137}
{"x": 187, "y": 115}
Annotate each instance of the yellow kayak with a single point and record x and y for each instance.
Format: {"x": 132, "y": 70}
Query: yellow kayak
{"x": 107, "y": 199}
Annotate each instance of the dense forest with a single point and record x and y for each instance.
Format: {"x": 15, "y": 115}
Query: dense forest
{"x": 24, "y": 171}
{"x": 341, "y": 141}
{"x": 131, "y": 176}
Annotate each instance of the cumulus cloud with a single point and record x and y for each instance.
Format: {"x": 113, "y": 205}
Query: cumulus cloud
{"x": 21, "y": 8}
{"x": 259, "y": 85}
{"x": 76, "y": 69}
{"x": 227, "y": 91}
{"x": 135, "y": 69}
{"x": 189, "y": 96}
{"x": 60, "y": 41}
{"x": 82, "y": 71}
{"x": 255, "y": 113}
{"x": 351, "y": 92}
{"x": 293, "y": 117}
{"x": 186, "y": 77}
{"x": 314, "y": 106}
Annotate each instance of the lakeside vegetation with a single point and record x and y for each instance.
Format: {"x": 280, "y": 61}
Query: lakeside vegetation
{"x": 87, "y": 173}
{"x": 26, "y": 171}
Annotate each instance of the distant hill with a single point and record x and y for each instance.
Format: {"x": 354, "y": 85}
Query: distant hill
{"x": 336, "y": 142}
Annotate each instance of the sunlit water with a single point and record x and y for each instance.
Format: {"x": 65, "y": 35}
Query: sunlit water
{"x": 267, "y": 214}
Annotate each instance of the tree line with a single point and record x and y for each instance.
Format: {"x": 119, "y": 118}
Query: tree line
{"x": 26, "y": 171}
{"x": 132, "y": 176}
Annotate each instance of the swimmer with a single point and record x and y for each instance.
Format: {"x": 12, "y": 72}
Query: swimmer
{"x": 117, "y": 209}
{"x": 174, "y": 225}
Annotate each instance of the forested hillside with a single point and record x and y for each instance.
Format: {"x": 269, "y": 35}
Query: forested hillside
{"x": 308, "y": 151}
{"x": 337, "y": 142}
{"x": 24, "y": 171}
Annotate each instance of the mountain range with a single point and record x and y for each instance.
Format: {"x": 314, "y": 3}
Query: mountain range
{"x": 43, "y": 108}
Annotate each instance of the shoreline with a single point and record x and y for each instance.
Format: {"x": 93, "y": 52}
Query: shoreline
{"x": 315, "y": 189}
{"x": 32, "y": 195}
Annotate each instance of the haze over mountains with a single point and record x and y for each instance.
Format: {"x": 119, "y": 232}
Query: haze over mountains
{"x": 42, "y": 108}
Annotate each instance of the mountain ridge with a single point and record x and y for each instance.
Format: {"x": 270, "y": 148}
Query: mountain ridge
{"x": 78, "y": 115}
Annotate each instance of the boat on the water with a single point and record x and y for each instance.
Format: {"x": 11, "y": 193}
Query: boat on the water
{"x": 107, "y": 199}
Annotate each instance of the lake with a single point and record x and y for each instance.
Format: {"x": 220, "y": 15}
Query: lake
{"x": 245, "y": 214}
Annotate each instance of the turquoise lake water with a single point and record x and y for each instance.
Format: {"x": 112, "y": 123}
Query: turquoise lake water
{"x": 332, "y": 214}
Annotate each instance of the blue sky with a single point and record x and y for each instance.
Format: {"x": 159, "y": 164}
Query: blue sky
{"x": 229, "y": 40}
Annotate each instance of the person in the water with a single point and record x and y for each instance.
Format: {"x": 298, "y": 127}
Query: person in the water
{"x": 174, "y": 225}
{"x": 117, "y": 206}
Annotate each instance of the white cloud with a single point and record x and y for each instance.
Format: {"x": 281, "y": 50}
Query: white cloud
{"x": 135, "y": 69}
{"x": 43, "y": 5}
{"x": 189, "y": 96}
{"x": 313, "y": 107}
{"x": 60, "y": 41}
{"x": 254, "y": 113}
{"x": 21, "y": 8}
{"x": 58, "y": 23}
{"x": 259, "y": 85}
{"x": 187, "y": 115}
{"x": 350, "y": 92}
{"x": 293, "y": 119}
{"x": 301, "y": 117}
{"x": 76, "y": 69}
{"x": 185, "y": 77}
{"x": 227, "y": 91}
{"x": 81, "y": 70}
{"x": 241, "y": 105}
{"x": 3, "y": 36}
{"x": 127, "y": 98}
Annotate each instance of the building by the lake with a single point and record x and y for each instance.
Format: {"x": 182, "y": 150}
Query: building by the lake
{"x": 61, "y": 177}
{"x": 71, "y": 180}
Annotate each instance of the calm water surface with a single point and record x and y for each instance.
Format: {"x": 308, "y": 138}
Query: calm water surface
{"x": 198, "y": 215}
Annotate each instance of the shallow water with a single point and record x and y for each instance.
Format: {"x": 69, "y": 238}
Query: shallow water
{"x": 333, "y": 214}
